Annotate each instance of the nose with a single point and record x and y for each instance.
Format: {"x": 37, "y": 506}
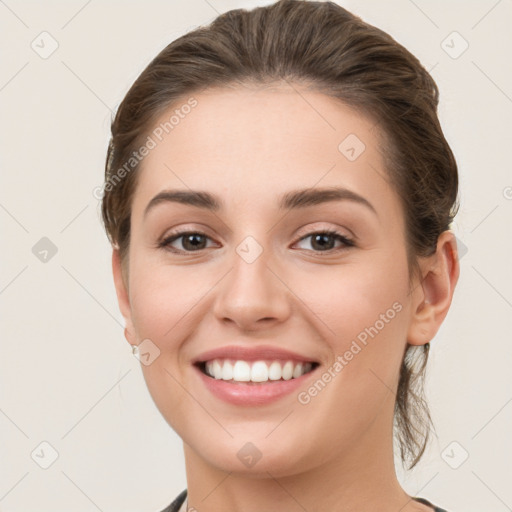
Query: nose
{"x": 252, "y": 296}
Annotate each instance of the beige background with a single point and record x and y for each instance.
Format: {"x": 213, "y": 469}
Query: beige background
{"x": 67, "y": 375}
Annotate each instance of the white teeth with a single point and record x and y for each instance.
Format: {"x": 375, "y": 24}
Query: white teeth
{"x": 274, "y": 371}
{"x": 257, "y": 371}
{"x": 227, "y": 371}
{"x": 297, "y": 371}
{"x": 241, "y": 371}
{"x": 217, "y": 369}
{"x": 288, "y": 370}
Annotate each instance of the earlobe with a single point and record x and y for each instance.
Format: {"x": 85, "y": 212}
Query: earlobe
{"x": 123, "y": 298}
{"x": 432, "y": 297}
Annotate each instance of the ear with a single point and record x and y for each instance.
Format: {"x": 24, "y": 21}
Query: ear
{"x": 123, "y": 298}
{"x": 432, "y": 296}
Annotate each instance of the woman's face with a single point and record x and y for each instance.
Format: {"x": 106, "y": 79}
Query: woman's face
{"x": 261, "y": 276}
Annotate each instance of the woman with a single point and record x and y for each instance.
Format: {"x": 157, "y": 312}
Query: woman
{"x": 278, "y": 195}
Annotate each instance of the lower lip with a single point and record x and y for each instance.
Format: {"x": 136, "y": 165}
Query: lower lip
{"x": 259, "y": 393}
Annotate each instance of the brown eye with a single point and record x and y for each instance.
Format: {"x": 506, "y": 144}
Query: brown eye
{"x": 323, "y": 241}
{"x": 195, "y": 241}
{"x": 191, "y": 241}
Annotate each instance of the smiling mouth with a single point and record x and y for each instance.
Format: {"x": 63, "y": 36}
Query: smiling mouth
{"x": 255, "y": 372}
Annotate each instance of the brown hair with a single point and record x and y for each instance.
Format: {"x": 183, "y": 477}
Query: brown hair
{"x": 326, "y": 47}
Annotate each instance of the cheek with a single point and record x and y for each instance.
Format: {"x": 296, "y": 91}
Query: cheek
{"x": 345, "y": 302}
{"x": 337, "y": 304}
{"x": 165, "y": 305}
{"x": 362, "y": 312}
{"x": 349, "y": 299}
{"x": 364, "y": 309}
{"x": 162, "y": 300}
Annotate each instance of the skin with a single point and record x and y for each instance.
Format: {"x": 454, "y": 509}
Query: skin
{"x": 250, "y": 145}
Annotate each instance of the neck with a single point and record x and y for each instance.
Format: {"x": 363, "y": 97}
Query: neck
{"x": 361, "y": 478}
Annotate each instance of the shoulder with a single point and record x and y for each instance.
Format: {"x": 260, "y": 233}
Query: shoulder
{"x": 426, "y": 502}
{"x": 176, "y": 504}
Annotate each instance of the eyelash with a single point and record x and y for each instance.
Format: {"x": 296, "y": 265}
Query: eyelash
{"x": 165, "y": 243}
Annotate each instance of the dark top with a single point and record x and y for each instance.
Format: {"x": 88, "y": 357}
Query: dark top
{"x": 176, "y": 504}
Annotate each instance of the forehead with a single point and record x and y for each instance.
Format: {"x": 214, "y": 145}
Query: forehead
{"x": 255, "y": 143}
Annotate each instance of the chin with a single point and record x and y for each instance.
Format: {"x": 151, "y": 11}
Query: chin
{"x": 252, "y": 456}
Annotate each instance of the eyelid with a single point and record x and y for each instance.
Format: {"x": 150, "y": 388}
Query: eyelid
{"x": 303, "y": 232}
{"x": 184, "y": 229}
{"x": 321, "y": 228}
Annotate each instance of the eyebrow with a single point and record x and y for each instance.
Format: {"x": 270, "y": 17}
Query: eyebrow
{"x": 294, "y": 199}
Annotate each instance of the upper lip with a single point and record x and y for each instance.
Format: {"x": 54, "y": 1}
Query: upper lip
{"x": 251, "y": 354}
